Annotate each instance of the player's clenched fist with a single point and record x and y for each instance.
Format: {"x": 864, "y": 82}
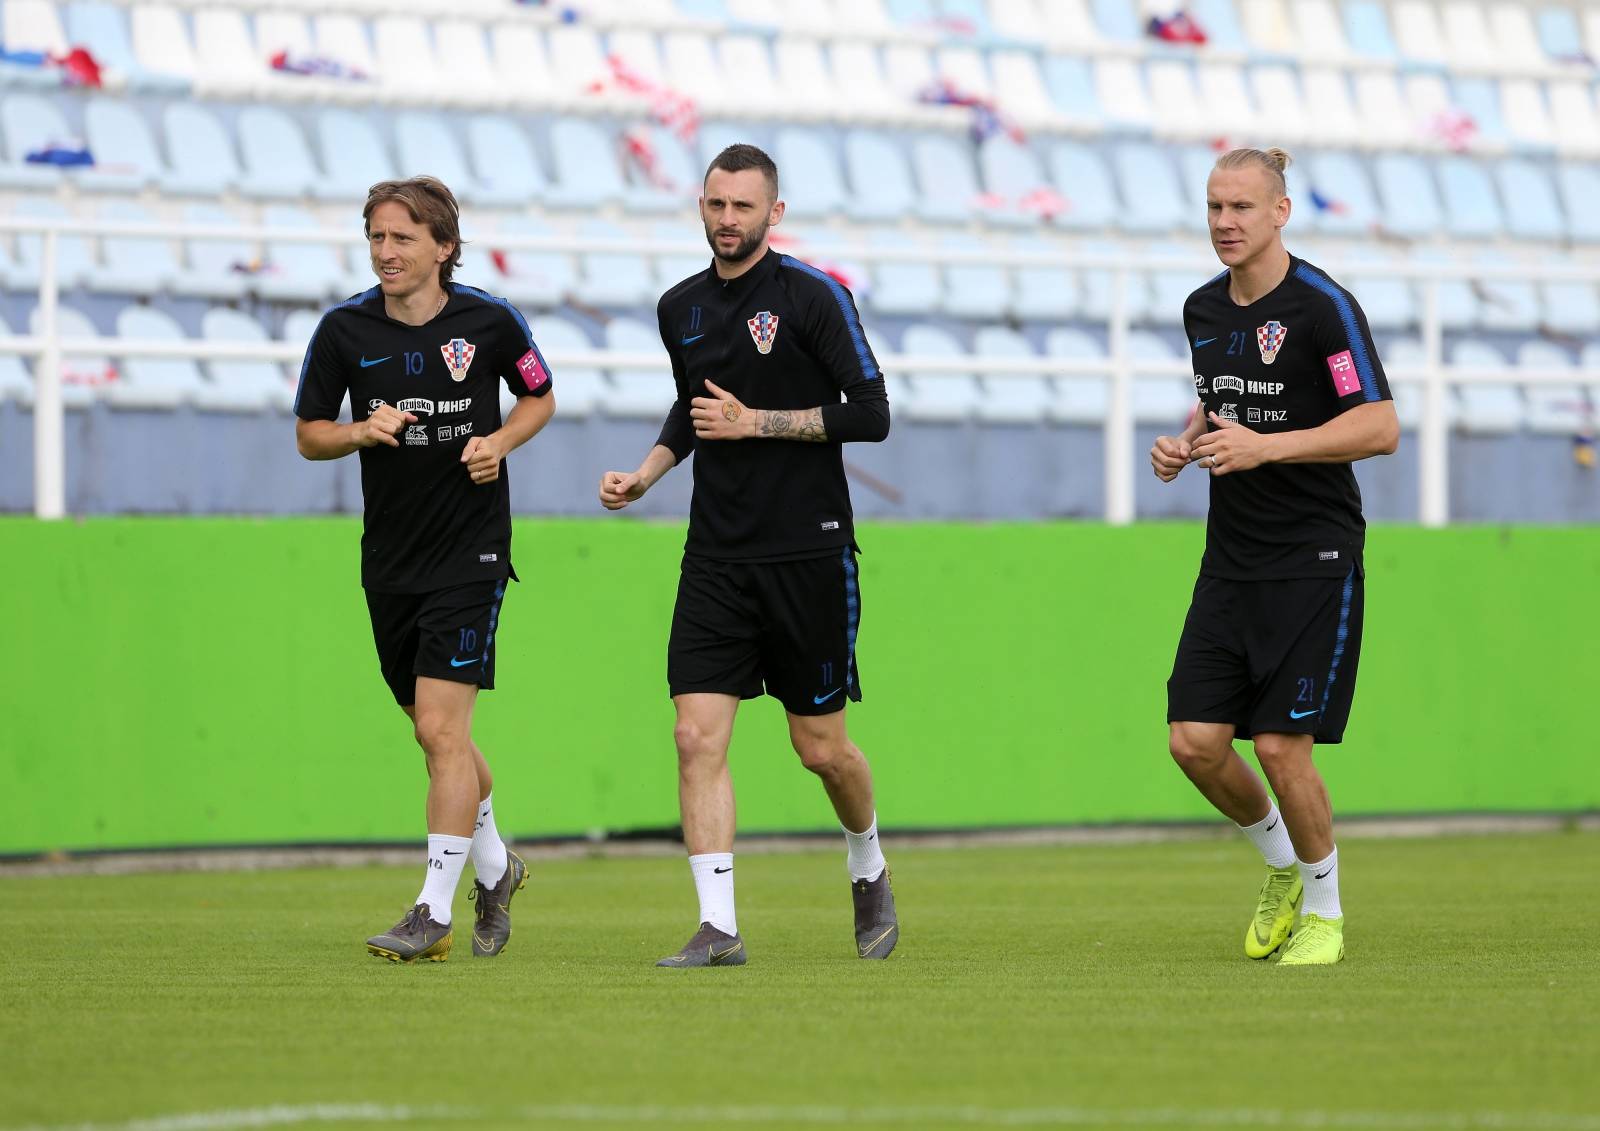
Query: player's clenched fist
{"x": 1169, "y": 456}
{"x": 619, "y": 488}
{"x": 482, "y": 455}
{"x": 381, "y": 427}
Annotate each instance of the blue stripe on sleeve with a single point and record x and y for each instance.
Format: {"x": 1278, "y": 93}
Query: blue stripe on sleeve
{"x": 851, "y": 321}
{"x": 521, "y": 322}
{"x": 305, "y": 364}
{"x": 1352, "y": 329}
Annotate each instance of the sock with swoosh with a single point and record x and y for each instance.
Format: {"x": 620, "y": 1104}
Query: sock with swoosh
{"x": 1322, "y": 887}
{"x": 488, "y": 850}
{"x": 1271, "y": 838}
{"x": 713, "y": 883}
{"x": 447, "y": 856}
{"x": 863, "y": 853}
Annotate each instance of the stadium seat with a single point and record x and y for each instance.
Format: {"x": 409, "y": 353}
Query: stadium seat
{"x": 32, "y": 25}
{"x": 587, "y": 172}
{"x": 672, "y": 269}
{"x": 520, "y": 66}
{"x": 1013, "y": 176}
{"x": 199, "y": 152}
{"x": 343, "y": 38}
{"x": 906, "y": 287}
{"x": 227, "y": 63}
{"x": 1176, "y": 107}
{"x": 1579, "y": 188}
{"x": 277, "y": 161}
{"x": 1485, "y": 408}
{"x": 1071, "y": 85}
{"x": 1152, "y": 200}
{"x": 1231, "y": 111}
{"x": 973, "y": 290}
{"x": 612, "y": 278}
{"x": 1080, "y": 399}
{"x": 1458, "y": 304}
{"x": 1402, "y": 354}
{"x": 353, "y": 156}
{"x": 82, "y": 378}
{"x": 240, "y": 386}
{"x": 1161, "y": 400}
{"x": 644, "y": 393}
{"x": 908, "y": 71}
{"x": 1010, "y": 398}
{"x": 1570, "y": 307}
{"x": 1527, "y": 114}
{"x": 103, "y": 28}
{"x": 754, "y": 90}
{"x": 1506, "y": 304}
{"x": 1511, "y": 36}
{"x": 31, "y": 122}
{"x": 1559, "y": 35}
{"x": 503, "y": 158}
{"x": 137, "y": 265}
{"x": 1224, "y": 32}
{"x": 1342, "y": 180}
{"x": 1044, "y": 291}
{"x": 879, "y": 177}
{"x": 1268, "y": 29}
{"x": 1389, "y": 302}
{"x": 1097, "y": 282}
{"x": 1417, "y": 33}
{"x": 1336, "y": 122}
{"x": 15, "y": 382}
{"x": 426, "y": 144}
{"x": 1170, "y": 289}
{"x": 1479, "y": 99}
{"x": 124, "y": 148}
{"x": 1366, "y": 26}
{"x": 806, "y": 85}
{"x": 466, "y": 64}
{"x": 812, "y": 182}
{"x": 1019, "y": 86}
{"x": 938, "y": 397}
{"x": 1471, "y": 206}
{"x": 690, "y": 65}
{"x": 152, "y": 382}
{"x": 536, "y": 278}
{"x": 408, "y": 67}
{"x": 1572, "y": 112}
{"x": 161, "y": 43}
{"x": 1553, "y": 409}
{"x": 1317, "y": 21}
{"x": 1283, "y": 113}
{"x": 74, "y": 257}
{"x": 1084, "y": 183}
{"x": 303, "y": 272}
{"x": 1120, "y": 91}
{"x": 948, "y": 185}
{"x": 217, "y": 267}
{"x": 1068, "y": 24}
{"x": 1117, "y": 21}
{"x": 583, "y": 389}
{"x": 1410, "y": 203}
{"x": 1537, "y": 214}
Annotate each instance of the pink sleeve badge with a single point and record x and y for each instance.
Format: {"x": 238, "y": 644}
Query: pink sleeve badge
{"x": 1342, "y": 368}
{"x": 532, "y": 370}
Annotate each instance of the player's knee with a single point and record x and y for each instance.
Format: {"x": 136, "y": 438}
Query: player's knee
{"x": 438, "y": 736}
{"x": 824, "y": 755}
{"x": 1281, "y": 753}
{"x": 694, "y": 741}
{"x": 1196, "y": 756}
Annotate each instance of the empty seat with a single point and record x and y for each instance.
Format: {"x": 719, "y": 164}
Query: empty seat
{"x": 503, "y": 160}
{"x": 1019, "y": 86}
{"x": 673, "y": 268}
{"x": 903, "y": 287}
{"x": 974, "y": 289}
{"x": 353, "y": 157}
{"x": 152, "y": 382}
{"x": 539, "y": 278}
{"x": 1120, "y": 92}
{"x": 217, "y": 266}
{"x": 1471, "y": 206}
{"x": 235, "y": 384}
{"x": 82, "y": 376}
{"x": 408, "y": 66}
{"x": 1071, "y": 85}
{"x": 226, "y": 60}
{"x": 161, "y": 43}
{"x": 1044, "y": 291}
{"x": 1016, "y": 183}
{"x": 612, "y": 278}
{"x": 1570, "y": 307}
{"x": 1266, "y": 23}
{"x": 1485, "y": 407}
{"x": 1152, "y": 199}
{"x": 879, "y": 176}
{"x": 584, "y": 389}
{"x": 938, "y": 397}
{"x": 1506, "y": 304}
{"x": 277, "y": 160}
{"x": 520, "y": 66}
{"x": 1158, "y": 399}
{"x": 1175, "y": 100}
{"x": 1341, "y": 180}
{"x": 1335, "y": 121}
{"x": 1562, "y": 408}
{"x": 427, "y": 145}
{"x": 805, "y": 84}
{"x": 1410, "y": 201}
{"x": 587, "y": 171}
{"x": 639, "y": 392}
{"x": 1527, "y": 114}
{"x": 1387, "y": 300}
{"x": 1537, "y": 214}
{"x": 949, "y": 186}
{"x": 1080, "y": 398}
{"x": 1010, "y": 398}
{"x": 1171, "y": 287}
{"x": 1399, "y": 356}
{"x": 74, "y": 257}
{"x": 1089, "y": 198}
{"x": 31, "y": 123}
{"x": 15, "y": 383}
{"x": 1572, "y": 111}
{"x": 124, "y": 148}
{"x": 1458, "y": 303}
{"x": 813, "y": 185}
{"x": 199, "y": 152}
{"x": 1097, "y": 284}
{"x": 140, "y": 265}
{"x": 306, "y": 271}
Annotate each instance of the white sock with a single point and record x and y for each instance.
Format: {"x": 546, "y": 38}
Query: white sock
{"x": 447, "y": 856}
{"x": 864, "y": 855}
{"x": 713, "y": 883}
{"x": 1322, "y": 887}
{"x": 1271, "y": 838}
{"x": 488, "y": 850}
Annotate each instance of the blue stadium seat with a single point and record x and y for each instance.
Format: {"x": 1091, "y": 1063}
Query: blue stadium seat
{"x": 213, "y": 264}
{"x": 277, "y": 161}
{"x": 1012, "y": 172}
{"x": 644, "y": 393}
{"x": 1010, "y": 398}
{"x": 303, "y": 272}
{"x": 1552, "y": 409}
{"x": 1342, "y": 179}
{"x": 949, "y": 187}
{"x": 1096, "y": 303}
{"x": 1579, "y": 186}
{"x": 103, "y": 28}
{"x": 813, "y": 185}
{"x": 1118, "y": 21}
{"x": 1471, "y": 206}
{"x": 1480, "y": 99}
{"x": 1559, "y": 34}
{"x": 1571, "y": 308}
{"x": 124, "y": 148}
{"x": 138, "y": 265}
{"x": 1071, "y": 85}
{"x": 902, "y": 288}
{"x": 1366, "y": 25}
{"x": 1401, "y": 354}
{"x": 240, "y": 386}
{"x": 612, "y": 278}
{"x": 672, "y": 269}
{"x": 1537, "y": 214}
{"x": 1507, "y": 304}
{"x": 353, "y": 156}
{"x": 1170, "y": 289}
{"x": 583, "y": 389}
{"x": 199, "y": 152}
{"x": 1166, "y": 401}
{"x": 587, "y": 172}
{"x": 675, "y": 169}
{"x": 1485, "y": 408}
{"x": 1220, "y": 19}
{"x": 1078, "y": 399}
{"x": 1458, "y": 304}
{"x": 1410, "y": 202}
{"x": 1045, "y": 292}
{"x": 425, "y": 144}
{"x": 938, "y": 397}
{"x": 74, "y": 257}
{"x": 152, "y": 382}
{"x": 879, "y": 176}
{"x": 15, "y": 382}
{"x": 973, "y": 290}
{"x": 503, "y": 158}
{"x": 1152, "y": 200}
{"x": 29, "y": 123}
{"x": 82, "y": 378}
{"x": 537, "y": 278}
{"x": 1084, "y": 182}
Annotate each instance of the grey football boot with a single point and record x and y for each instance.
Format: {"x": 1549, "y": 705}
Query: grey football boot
{"x": 877, "y": 928}
{"x": 491, "y": 926}
{"x": 709, "y": 947}
{"x": 415, "y": 938}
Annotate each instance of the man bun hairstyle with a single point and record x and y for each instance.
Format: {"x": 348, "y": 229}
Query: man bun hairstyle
{"x": 1271, "y": 161}
{"x": 737, "y": 158}
{"x": 430, "y": 202}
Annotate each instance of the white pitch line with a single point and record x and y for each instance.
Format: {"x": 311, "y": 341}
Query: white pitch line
{"x": 286, "y": 1115}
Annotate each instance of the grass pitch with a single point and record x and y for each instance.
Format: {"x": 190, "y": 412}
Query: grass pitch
{"x": 1073, "y": 986}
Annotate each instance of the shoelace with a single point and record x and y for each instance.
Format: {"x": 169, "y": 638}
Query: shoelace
{"x": 1311, "y": 933}
{"x": 1272, "y": 897}
{"x": 412, "y": 921}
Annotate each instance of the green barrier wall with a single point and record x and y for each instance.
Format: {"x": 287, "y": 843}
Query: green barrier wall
{"x": 172, "y": 682}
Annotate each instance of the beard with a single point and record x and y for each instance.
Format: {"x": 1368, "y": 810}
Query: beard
{"x": 745, "y": 248}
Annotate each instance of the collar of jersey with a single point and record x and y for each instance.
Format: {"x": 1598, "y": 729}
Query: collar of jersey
{"x": 763, "y": 269}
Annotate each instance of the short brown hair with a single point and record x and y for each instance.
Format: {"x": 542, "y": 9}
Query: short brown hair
{"x": 430, "y": 202}
{"x": 737, "y": 158}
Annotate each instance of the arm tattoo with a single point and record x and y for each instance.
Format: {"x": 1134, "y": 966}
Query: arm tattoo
{"x": 789, "y": 424}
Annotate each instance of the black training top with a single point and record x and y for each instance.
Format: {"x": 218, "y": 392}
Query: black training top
{"x": 427, "y": 526}
{"x": 1295, "y": 358}
{"x": 784, "y": 335}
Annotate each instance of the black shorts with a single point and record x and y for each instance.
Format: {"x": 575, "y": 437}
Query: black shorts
{"x": 787, "y": 626}
{"x": 446, "y": 634}
{"x": 1270, "y": 656}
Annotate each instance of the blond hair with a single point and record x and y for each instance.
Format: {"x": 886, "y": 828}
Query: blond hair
{"x": 1270, "y": 161}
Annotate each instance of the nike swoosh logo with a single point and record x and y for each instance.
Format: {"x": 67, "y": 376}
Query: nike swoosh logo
{"x": 1324, "y": 875}
{"x": 1301, "y": 714}
{"x": 455, "y": 663}
{"x": 716, "y": 957}
{"x": 691, "y": 341}
{"x": 1198, "y": 342}
{"x": 365, "y": 364}
{"x": 447, "y": 852}
{"x": 1273, "y": 825}
{"x": 819, "y": 700}
{"x": 721, "y": 871}
{"x": 868, "y": 947}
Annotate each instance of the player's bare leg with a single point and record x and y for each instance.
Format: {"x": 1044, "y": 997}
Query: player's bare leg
{"x": 1287, "y": 761}
{"x": 825, "y": 749}
{"x": 1204, "y": 751}
{"x": 705, "y": 804}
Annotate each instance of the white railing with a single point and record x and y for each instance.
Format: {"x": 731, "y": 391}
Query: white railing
{"x": 1122, "y": 463}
